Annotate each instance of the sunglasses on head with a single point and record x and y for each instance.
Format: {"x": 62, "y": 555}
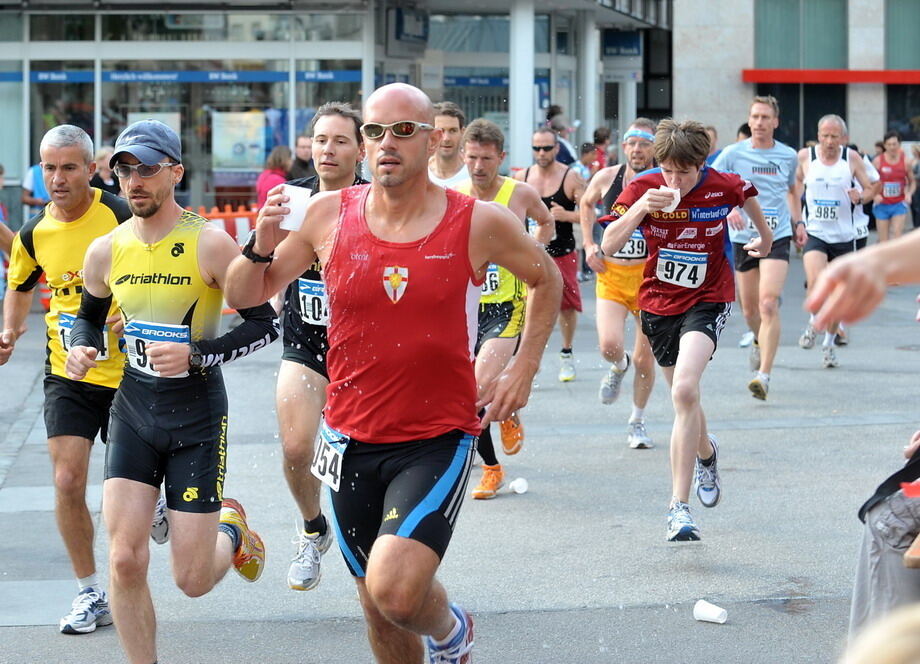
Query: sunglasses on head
{"x": 123, "y": 171}
{"x": 403, "y": 129}
{"x": 542, "y": 148}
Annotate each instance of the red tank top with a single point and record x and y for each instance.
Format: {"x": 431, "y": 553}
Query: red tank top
{"x": 894, "y": 177}
{"x": 402, "y": 328}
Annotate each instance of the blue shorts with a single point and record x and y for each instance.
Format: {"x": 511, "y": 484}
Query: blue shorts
{"x": 889, "y": 210}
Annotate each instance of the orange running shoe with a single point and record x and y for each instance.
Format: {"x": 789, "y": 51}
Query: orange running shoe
{"x": 512, "y": 434}
{"x": 249, "y": 558}
{"x": 492, "y": 479}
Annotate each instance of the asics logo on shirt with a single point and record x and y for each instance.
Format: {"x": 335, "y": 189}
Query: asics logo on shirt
{"x": 714, "y": 194}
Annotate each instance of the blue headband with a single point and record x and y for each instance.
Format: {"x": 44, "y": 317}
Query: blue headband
{"x": 639, "y": 133}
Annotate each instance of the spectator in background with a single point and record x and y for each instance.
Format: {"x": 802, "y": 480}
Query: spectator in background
{"x": 744, "y": 133}
{"x": 879, "y": 148}
{"x": 713, "y": 144}
{"x": 104, "y": 178}
{"x": 555, "y": 120}
{"x": 34, "y": 193}
{"x": 915, "y": 201}
{"x": 601, "y": 146}
{"x": 276, "y": 172}
{"x": 586, "y": 160}
{"x": 303, "y": 166}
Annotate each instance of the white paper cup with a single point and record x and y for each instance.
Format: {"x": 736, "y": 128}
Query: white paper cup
{"x": 676, "y": 193}
{"x": 707, "y": 612}
{"x": 300, "y": 197}
{"x": 518, "y": 485}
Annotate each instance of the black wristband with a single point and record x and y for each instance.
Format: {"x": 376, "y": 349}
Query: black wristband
{"x": 253, "y": 256}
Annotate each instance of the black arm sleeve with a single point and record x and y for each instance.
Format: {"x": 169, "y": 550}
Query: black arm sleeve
{"x": 259, "y": 328}
{"x": 87, "y": 329}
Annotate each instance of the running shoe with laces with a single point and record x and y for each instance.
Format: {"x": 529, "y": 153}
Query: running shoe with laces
{"x": 249, "y": 557}
{"x": 708, "y": 485}
{"x": 829, "y": 361}
{"x": 460, "y": 648}
{"x": 759, "y": 387}
{"x": 159, "y": 527}
{"x": 512, "y": 434}
{"x": 304, "y": 572}
{"x": 89, "y": 610}
{"x": 807, "y": 340}
{"x": 612, "y": 382}
{"x": 566, "y": 367}
{"x": 637, "y": 437}
{"x": 754, "y": 361}
{"x": 493, "y": 477}
{"x": 681, "y": 526}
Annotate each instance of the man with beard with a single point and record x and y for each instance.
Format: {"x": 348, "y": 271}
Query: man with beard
{"x": 618, "y": 279}
{"x": 166, "y": 266}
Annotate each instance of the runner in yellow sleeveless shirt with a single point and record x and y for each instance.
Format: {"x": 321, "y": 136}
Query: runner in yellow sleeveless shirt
{"x": 54, "y": 242}
{"x": 503, "y": 300}
{"x": 166, "y": 268}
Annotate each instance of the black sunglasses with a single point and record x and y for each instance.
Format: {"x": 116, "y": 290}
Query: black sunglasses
{"x": 542, "y": 148}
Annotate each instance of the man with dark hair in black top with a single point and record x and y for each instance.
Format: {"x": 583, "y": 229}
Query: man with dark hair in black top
{"x": 338, "y": 149}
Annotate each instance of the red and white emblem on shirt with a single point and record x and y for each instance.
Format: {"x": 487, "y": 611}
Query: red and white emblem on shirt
{"x": 395, "y": 280}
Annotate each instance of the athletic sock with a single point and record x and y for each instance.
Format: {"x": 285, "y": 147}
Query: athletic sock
{"x": 638, "y": 414}
{"x": 566, "y": 351}
{"x": 763, "y": 377}
{"x": 451, "y": 635}
{"x": 828, "y": 339}
{"x": 232, "y": 532}
{"x": 708, "y": 462}
{"x": 622, "y": 365}
{"x": 87, "y": 582}
{"x": 317, "y": 525}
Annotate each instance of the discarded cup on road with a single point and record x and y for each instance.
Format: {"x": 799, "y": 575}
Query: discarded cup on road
{"x": 707, "y": 612}
{"x": 518, "y": 485}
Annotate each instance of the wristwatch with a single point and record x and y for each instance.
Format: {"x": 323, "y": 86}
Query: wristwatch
{"x": 253, "y": 256}
{"x": 800, "y": 222}
{"x": 195, "y": 358}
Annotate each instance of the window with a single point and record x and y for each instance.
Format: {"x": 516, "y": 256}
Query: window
{"x": 62, "y": 27}
{"x": 11, "y": 28}
{"x": 800, "y": 34}
{"x": 904, "y": 111}
{"x": 902, "y": 25}
{"x": 481, "y": 34}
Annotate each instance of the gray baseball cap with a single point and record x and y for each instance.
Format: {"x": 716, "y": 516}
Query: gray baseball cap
{"x": 150, "y": 141}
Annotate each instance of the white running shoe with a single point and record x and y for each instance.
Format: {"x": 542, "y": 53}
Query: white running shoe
{"x": 746, "y": 339}
{"x": 754, "y": 361}
{"x": 759, "y": 387}
{"x": 637, "y": 437}
{"x": 89, "y": 610}
{"x": 708, "y": 485}
{"x": 159, "y": 527}
{"x": 611, "y": 383}
{"x": 566, "y": 367}
{"x": 807, "y": 340}
{"x": 304, "y": 573}
{"x": 681, "y": 526}
{"x": 830, "y": 358}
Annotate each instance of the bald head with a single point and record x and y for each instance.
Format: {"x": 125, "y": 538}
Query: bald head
{"x": 406, "y": 101}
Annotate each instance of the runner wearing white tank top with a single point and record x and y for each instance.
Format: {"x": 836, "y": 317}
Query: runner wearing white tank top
{"x": 827, "y": 174}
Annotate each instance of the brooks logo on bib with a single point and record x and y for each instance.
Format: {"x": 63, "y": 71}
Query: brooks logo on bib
{"x": 139, "y": 333}
{"x": 681, "y": 268}
{"x": 65, "y": 327}
{"x": 313, "y": 306}
{"x": 395, "y": 280}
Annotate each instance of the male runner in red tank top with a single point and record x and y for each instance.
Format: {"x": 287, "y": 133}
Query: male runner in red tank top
{"x": 403, "y": 262}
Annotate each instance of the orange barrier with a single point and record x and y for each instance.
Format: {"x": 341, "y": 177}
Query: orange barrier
{"x": 237, "y": 223}
{"x": 44, "y": 293}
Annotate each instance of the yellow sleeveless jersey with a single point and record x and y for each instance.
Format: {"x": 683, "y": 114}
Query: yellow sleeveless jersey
{"x": 160, "y": 290}
{"x": 57, "y": 248}
{"x": 499, "y": 285}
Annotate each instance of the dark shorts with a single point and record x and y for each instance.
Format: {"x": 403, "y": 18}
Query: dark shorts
{"x": 664, "y": 332}
{"x": 861, "y": 242}
{"x": 303, "y": 342}
{"x": 306, "y": 355}
{"x": 831, "y": 249}
{"x": 75, "y": 408}
{"x": 412, "y": 489}
{"x": 744, "y": 261}
{"x": 172, "y": 428}
{"x": 500, "y": 320}
{"x": 571, "y": 289}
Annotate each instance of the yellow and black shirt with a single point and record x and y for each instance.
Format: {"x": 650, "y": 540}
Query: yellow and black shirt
{"x": 57, "y": 248}
{"x": 160, "y": 290}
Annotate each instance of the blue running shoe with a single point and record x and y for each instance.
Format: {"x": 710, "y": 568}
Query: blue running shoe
{"x": 460, "y": 648}
{"x": 681, "y": 527}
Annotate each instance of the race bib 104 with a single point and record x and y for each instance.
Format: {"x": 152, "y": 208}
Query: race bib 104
{"x": 65, "y": 327}
{"x": 139, "y": 333}
{"x": 328, "y": 452}
{"x": 314, "y": 308}
{"x": 681, "y": 268}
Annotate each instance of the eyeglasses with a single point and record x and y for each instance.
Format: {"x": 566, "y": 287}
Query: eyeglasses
{"x": 542, "y": 148}
{"x": 374, "y": 131}
{"x": 124, "y": 171}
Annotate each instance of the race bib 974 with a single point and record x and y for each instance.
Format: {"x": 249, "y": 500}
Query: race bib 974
{"x": 681, "y": 268}
{"x": 139, "y": 333}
